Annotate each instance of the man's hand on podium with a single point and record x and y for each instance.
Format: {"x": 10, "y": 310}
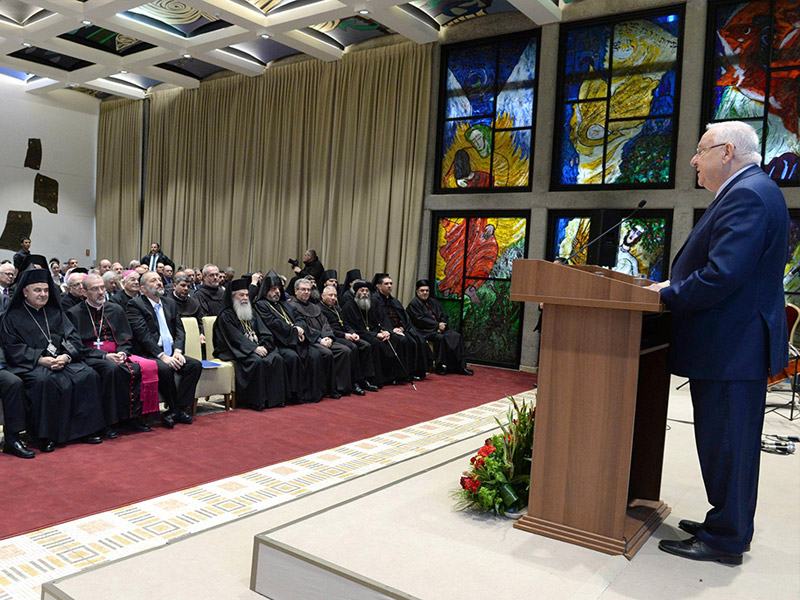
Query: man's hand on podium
{"x": 657, "y": 287}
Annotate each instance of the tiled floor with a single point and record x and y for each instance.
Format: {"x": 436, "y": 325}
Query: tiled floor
{"x": 27, "y": 561}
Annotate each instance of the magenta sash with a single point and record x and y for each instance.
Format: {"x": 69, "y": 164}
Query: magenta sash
{"x": 149, "y": 393}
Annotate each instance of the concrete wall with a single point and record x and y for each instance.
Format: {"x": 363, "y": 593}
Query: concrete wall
{"x": 66, "y": 122}
{"x": 683, "y": 199}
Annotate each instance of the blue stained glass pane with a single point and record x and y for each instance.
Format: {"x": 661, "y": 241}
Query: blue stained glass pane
{"x": 470, "y": 81}
{"x": 781, "y": 159}
{"x": 569, "y": 159}
{"x": 646, "y": 155}
{"x": 517, "y": 71}
{"x": 571, "y": 235}
{"x": 587, "y": 52}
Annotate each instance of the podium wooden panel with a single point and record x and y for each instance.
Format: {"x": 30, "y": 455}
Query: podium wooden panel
{"x": 598, "y": 444}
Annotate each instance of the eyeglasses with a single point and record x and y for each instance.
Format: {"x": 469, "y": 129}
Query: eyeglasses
{"x": 703, "y": 149}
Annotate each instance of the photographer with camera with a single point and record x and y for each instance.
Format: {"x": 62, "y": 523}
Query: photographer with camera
{"x": 312, "y": 266}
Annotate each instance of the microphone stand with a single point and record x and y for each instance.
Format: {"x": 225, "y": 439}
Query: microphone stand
{"x": 585, "y": 246}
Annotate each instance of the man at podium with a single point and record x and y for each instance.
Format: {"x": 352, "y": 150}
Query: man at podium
{"x": 728, "y": 332}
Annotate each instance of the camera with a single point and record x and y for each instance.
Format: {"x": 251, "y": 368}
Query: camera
{"x": 294, "y": 262}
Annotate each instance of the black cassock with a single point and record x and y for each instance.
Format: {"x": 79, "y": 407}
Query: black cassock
{"x": 367, "y": 325}
{"x": 303, "y": 362}
{"x": 61, "y": 405}
{"x": 120, "y": 384}
{"x": 392, "y": 315}
{"x": 261, "y": 381}
{"x": 448, "y": 347}
{"x": 363, "y": 363}
{"x": 338, "y": 358}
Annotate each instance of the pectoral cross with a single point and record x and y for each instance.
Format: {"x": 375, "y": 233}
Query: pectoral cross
{"x": 97, "y": 344}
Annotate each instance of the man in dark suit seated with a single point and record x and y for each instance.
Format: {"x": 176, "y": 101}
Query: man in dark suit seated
{"x": 728, "y": 332}
{"x": 158, "y": 334}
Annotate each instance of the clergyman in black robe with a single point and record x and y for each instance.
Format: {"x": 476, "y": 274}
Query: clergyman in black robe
{"x": 210, "y": 295}
{"x": 363, "y": 365}
{"x": 345, "y": 290}
{"x": 240, "y": 336}
{"x": 106, "y": 345}
{"x": 42, "y": 348}
{"x": 12, "y": 394}
{"x": 395, "y": 319}
{"x": 388, "y": 348}
{"x": 431, "y": 321}
{"x": 336, "y": 356}
{"x": 303, "y": 362}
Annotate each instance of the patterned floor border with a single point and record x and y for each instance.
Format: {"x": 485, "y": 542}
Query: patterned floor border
{"x": 27, "y": 561}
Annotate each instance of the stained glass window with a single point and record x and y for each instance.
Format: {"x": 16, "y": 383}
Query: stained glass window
{"x": 619, "y": 80}
{"x": 472, "y": 279}
{"x": 571, "y": 235}
{"x": 640, "y": 248}
{"x": 487, "y": 114}
{"x": 754, "y": 76}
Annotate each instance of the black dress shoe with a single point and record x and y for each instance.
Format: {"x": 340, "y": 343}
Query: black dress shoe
{"x": 19, "y": 449}
{"x": 467, "y": 372}
{"x": 440, "y": 370}
{"x": 333, "y": 395}
{"x": 137, "y": 426}
{"x": 181, "y": 417}
{"x": 47, "y": 445}
{"x": 692, "y": 527}
{"x": 416, "y": 378}
{"x": 694, "y": 549}
{"x": 169, "y": 419}
{"x": 93, "y": 439}
{"x": 358, "y": 391}
{"x": 108, "y": 433}
{"x": 369, "y": 387}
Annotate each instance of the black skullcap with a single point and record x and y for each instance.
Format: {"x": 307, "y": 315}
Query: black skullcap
{"x": 360, "y": 283}
{"x": 329, "y": 274}
{"x": 422, "y": 283}
{"x": 36, "y": 276}
{"x": 378, "y": 278}
{"x": 352, "y": 275}
{"x": 239, "y": 284}
{"x": 83, "y": 270}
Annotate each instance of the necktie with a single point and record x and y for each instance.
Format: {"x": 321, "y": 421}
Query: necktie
{"x": 5, "y": 291}
{"x": 166, "y": 336}
{"x": 152, "y": 262}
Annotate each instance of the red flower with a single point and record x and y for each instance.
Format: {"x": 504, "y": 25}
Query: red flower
{"x": 479, "y": 462}
{"x": 486, "y": 450}
{"x": 470, "y": 484}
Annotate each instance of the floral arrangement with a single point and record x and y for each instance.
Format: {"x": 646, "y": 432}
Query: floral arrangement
{"x": 499, "y": 478}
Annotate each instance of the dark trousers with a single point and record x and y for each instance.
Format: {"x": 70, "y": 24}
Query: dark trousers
{"x": 177, "y": 387}
{"x": 728, "y": 417}
{"x": 12, "y": 391}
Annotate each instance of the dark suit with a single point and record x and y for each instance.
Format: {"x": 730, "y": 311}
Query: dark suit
{"x": 728, "y": 331}
{"x": 160, "y": 258}
{"x": 144, "y": 323}
{"x": 12, "y": 390}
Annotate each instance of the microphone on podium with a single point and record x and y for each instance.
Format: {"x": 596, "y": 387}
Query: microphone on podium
{"x": 602, "y": 235}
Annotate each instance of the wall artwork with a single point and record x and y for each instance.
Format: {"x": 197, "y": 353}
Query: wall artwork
{"x": 33, "y": 157}
{"x": 45, "y": 192}
{"x": 640, "y": 249}
{"x": 19, "y": 224}
{"x": 486, "y": 123}
{"x": 571, "y": 235}
{"x": 619, "y": 82}
{"x": 472, "y": 273}
{"x": 791, "y": 273}
{"x": 753, "y": 73}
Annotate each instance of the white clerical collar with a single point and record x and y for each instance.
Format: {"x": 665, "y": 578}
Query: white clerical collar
{"x": 731, "y": 178}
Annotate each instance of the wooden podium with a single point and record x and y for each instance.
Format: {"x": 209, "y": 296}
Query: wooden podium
{"x": 601, "y": 411}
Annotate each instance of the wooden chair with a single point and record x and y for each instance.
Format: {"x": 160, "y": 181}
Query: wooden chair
{"x": 214, "y": 381}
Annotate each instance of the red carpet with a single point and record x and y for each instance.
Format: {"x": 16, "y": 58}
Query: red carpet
{"x": 80, "y": 479}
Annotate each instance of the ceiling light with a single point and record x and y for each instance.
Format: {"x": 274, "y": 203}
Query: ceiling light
{"x": 264, "y": 36}
{"x": 26, "y": 44}
{"x": 187, "y": 56}
{"x": 85, "y": 22}
{"x": 363, "y": 12}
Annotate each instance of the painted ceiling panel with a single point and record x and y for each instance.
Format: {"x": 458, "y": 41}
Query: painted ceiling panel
{"x": 176, "y": 17}
{"x": 50, "y": 59}
{"x": 106, "y": 40}
{"x": 265, "y": 51}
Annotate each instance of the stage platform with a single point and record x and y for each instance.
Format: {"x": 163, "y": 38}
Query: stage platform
{"x": 396, "y": 528}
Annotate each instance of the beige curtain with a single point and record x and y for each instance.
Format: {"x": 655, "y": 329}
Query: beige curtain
{"x": 249, "y": 172}
{"x": 119, "y": 153}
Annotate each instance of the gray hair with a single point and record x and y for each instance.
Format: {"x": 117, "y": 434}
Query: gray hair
{"x": 743, "y": 137}
{"x": 205, "y": 268}
{"x": 182, "y": 279}
{"x": 330, "y": 287}
{"x": 108, "y": 276}
{"x": 301, "y": 281}
{"x": 230, "y": 270}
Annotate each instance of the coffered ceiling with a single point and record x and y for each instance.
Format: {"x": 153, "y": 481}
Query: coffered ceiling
{"x": 126, "y": 47}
